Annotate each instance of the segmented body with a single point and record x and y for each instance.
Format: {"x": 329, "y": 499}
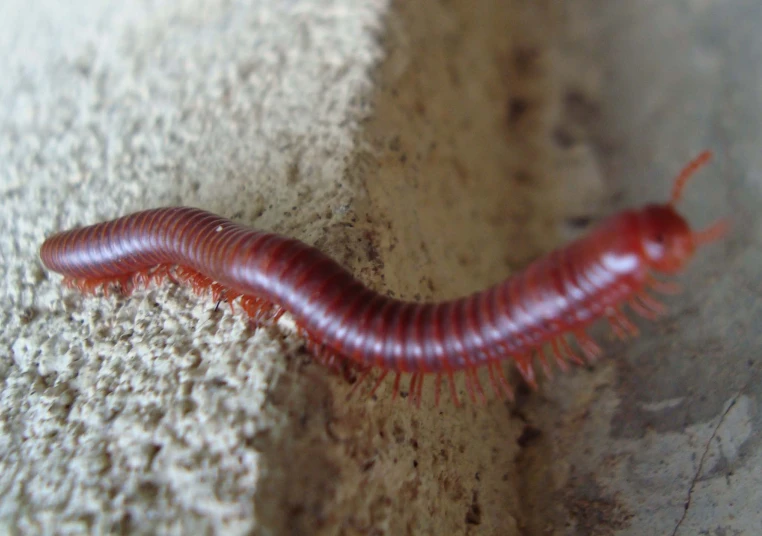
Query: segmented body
{"x": 553, "y": 299}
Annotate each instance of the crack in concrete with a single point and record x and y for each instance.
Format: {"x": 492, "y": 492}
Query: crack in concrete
{"x": 703, "y": 459}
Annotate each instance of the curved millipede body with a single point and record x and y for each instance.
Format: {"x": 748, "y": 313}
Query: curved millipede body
{"x": 543, "y": 308}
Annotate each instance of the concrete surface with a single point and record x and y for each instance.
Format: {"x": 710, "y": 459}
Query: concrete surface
{"x": 432, "y": 147}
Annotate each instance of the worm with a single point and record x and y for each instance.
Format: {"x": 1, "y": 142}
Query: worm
{"x": 543, "y": 311}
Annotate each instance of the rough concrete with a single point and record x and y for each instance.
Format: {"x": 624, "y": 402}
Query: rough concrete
{"x": 432, "y": 147}
{"x": 154, "y": 413}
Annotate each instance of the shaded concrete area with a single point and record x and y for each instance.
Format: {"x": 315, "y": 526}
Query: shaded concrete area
{"x": 668, "y": 441}
{"x": 432, "y": 147}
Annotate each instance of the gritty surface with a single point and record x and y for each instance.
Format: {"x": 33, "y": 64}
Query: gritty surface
{"x": 432, "y": 147}
{"x": 153, "y": 413}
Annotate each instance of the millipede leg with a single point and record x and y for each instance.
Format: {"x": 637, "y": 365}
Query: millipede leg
{"x": 627, "y": 324}
{"x": 562, "y": 364}
{"x": 229, "y": 297}
{"x": 571, "y": 354}
{"x": 140, "y": 279}
{"x": 504, "y": 382}
{"x": 479, "y": 389}
{"x": 378, "y": 383}
{"x": 640, "y": 308}
{"x": 411, "y": 388}
{"x": 153, "y": 277}
{"x": 527, "y": 372}
{"x": 202, "y": 283}
{"x": 218, "y": 292}
{"x": 198, "y": 282}
{"x": 396, "y": 390}
{"x": 589, "y": 347}
{"x": 453, "y": 392}
{"x": 492, "y": 380}
{"x": 544, "y": 363}
{"x": 161, "y": 273}
{"x": 663, "y": 287}
{"x": 652, "y": 303}
{"x": 330, "y": 359}
{"x": 277, "y": 313}
{"x": 107, "y": 289}
{"x": 622, "y": 326}
{"x": 85, "y": 286}
{"x": 172, "y": 276}
{"x": 437, "y": 388}
{"x": 419, "y": 391}
{"x": 258, "y": 310}
{"x": 616, "y": 328}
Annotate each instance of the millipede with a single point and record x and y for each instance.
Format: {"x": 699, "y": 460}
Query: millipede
{"x": 539, "y": 315}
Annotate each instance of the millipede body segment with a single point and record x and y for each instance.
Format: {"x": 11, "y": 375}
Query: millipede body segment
{"x": 546, "y": 307}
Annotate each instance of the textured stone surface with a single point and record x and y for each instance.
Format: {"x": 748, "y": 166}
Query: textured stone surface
{"x": 154, "y": 413}
{"x": 432, "y": 147}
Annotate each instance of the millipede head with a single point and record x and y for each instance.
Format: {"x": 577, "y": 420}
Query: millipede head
{"x": 667, "y": 240}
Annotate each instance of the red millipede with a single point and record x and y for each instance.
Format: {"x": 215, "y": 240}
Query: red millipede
{"x": 550, "y": 304}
